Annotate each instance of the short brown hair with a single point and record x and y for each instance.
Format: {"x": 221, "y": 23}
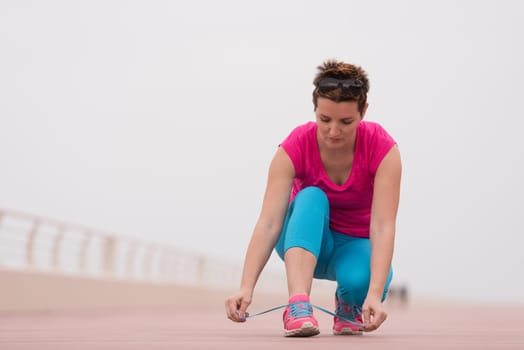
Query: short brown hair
{"x": 341, "y": 70}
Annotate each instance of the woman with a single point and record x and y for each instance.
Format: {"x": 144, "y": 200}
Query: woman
{"x": 329, "y": 210}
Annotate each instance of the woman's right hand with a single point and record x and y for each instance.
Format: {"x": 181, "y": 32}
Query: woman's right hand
{"x": 237, "y": 304}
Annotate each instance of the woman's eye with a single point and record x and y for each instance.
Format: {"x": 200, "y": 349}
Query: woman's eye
{"x": 347, "y": 122}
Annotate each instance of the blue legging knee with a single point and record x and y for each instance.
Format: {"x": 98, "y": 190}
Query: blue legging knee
{"x": 340, "y": 257}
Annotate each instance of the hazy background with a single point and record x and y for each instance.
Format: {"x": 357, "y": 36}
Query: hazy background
{"x": 158, "y": 119}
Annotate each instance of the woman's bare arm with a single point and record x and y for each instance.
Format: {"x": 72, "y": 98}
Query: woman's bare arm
{"x": 382, "y": 234}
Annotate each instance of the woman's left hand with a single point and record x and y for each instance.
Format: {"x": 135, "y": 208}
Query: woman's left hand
{"x": 373, "y": 314}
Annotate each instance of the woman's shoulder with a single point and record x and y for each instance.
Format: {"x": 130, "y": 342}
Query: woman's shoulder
{"x": 373, "y": 130}
{"x": 371, "y": 126}
{"x": 298, "y": 145}
{"x": 303, "y": 131}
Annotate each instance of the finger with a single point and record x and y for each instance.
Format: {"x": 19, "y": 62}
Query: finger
{"x": 379, "y": 319}
{"x": 366, "y": 314}
{"x": 241, "y": 313}
{"x": 242, "y": 310}
{"x": 376, "y": 320}
{"x": 228, "y": 309}
{"x": 369, "y": 325}
{"x": 231, "y": 307}
{"x": 241, "y": 316}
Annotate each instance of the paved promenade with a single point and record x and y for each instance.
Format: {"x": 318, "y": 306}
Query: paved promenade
{"x": 419, "y": 326}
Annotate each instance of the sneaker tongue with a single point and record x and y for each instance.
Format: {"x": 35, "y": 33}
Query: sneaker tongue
{"x": 299, "y": 298}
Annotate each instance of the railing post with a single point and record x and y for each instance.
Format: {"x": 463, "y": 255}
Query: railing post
{"x": 31, "y": 242}
{"x": 165, "y": 265}
{"x": 108, "y": 255}
{"x": 56, "y": 248}
{"x": 82, "y": 253}
{"x": 148, "y": 261}
{"x": 172, "y": 264}
{"x": 130, "y": 259}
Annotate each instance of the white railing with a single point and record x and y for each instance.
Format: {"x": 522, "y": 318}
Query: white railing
{"x": 34, "y": 243}
{"x": 30, "y": 242}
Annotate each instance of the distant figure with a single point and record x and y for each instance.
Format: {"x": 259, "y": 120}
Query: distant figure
{"x": 329, "y": 210}
{"x": 398, "y": 294}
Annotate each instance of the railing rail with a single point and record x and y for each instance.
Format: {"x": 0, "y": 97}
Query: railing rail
{"x": 30, "y": 242}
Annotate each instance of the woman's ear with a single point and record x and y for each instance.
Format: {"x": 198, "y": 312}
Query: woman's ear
{"x": 363, "y": 113}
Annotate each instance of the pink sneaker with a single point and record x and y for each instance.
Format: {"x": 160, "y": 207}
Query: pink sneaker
{"x": 347, "y": 312}
{"x": 298, "y": 318}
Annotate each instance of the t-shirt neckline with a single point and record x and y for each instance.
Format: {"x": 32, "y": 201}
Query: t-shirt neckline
{"x": 323, "y": 171}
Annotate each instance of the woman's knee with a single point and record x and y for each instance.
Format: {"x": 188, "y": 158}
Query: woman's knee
{"x": 353, "y": 287}
{"x": 312, "y": 195}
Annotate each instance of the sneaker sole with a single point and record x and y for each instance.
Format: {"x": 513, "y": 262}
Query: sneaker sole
{"x": 307, "y": 330}
{"x": 347, "y": 331}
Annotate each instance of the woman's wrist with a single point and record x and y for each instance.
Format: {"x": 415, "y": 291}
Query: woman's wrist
{"x": 375, "y": 293}
{"x": 247, "y": 288}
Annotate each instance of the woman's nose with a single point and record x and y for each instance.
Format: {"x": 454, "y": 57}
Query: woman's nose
{"x": 334, "y": 131}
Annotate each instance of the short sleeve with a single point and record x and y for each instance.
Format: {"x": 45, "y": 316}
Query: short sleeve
{"x": 380, "y": 143}
{"x": 295, "y": 145}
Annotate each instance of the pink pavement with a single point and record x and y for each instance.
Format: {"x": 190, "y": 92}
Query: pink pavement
{"x": 418, "y": 326}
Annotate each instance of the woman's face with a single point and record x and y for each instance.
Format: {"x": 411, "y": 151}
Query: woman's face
{"x": 337, "y": 123}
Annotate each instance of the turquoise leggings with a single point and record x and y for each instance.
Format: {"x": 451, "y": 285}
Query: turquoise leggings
{"x": 340, "y": 257}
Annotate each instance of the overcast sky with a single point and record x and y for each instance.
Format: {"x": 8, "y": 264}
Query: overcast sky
{"x": 158, "y": 120}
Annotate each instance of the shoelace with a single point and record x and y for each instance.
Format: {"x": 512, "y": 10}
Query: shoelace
{"x": 300, "y": 309}
{"x": 345, "y": 311}
{"x": 358, "y": 324}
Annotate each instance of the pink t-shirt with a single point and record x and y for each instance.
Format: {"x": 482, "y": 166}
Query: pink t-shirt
{"x": 350, "y": 203}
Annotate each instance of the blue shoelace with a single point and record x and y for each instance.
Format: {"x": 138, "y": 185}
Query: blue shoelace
{"x": 347, "y": 311}
{"x": 300, "y": 309}
{"x": 305, "y": 310}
